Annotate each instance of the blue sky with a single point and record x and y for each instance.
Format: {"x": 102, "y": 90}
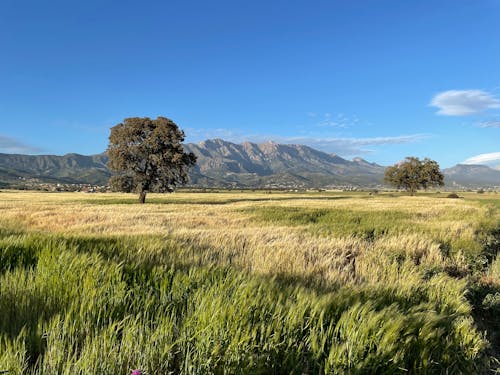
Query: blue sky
{"x": 378, "y": 79}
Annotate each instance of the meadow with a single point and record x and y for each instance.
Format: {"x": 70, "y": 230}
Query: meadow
{"x": 249, "y": 283}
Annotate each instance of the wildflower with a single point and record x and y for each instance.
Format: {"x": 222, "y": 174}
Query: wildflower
{"x": 136, "y": 372}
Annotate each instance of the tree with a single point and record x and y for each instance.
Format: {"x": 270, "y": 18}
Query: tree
{"x": 148, "y": 156}
{"x": 413, "y": 173}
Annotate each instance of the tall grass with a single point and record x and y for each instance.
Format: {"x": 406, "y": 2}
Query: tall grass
{"x": 288, "y": 286}
{"x": 76, "y": 312}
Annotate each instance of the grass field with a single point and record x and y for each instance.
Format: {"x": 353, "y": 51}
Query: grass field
{"x": 249, "y": 283}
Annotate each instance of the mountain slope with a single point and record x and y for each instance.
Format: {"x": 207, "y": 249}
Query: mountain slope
{"x": 472, "y": 176}
{"x": 226, "y": 164}
{"x": 250, "y": 164}
{"x": 70, "y": 168}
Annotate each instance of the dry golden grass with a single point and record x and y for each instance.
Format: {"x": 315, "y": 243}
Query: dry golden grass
{"x": 225, "y": 227}
{"x": 358, "y": 283}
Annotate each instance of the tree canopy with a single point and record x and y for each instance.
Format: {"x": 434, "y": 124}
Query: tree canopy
{"x": 148, "y": 156}
{"x": 413, "y": 174}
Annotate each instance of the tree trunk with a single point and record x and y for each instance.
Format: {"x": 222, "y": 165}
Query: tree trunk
{"x": 142, "y": 197}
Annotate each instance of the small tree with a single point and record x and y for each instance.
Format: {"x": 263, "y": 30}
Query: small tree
{"x": 148, "y": 156}
{"x": 413, "y": 174}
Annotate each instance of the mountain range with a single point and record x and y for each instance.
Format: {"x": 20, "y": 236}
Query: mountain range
{"x": 276, "y": 165}
{"x": 226, "y": 164}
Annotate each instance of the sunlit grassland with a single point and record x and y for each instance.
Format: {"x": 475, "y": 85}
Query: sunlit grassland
{"x": 249, "y": 282}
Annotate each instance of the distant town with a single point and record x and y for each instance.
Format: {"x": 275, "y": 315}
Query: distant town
{"x": 24, "y": 183}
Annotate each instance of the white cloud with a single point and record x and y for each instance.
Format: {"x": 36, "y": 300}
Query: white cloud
{"x": 488, "y": 159}
{"x": 339, "y": 121}
{"x": 201, "y": 134}
{"x": 464, "y": 102}
{"x": 13, "y": 146}
{"x": 350, "y": 146}
{"x": 337, "y": 145}
{"x": 490, "y": 124}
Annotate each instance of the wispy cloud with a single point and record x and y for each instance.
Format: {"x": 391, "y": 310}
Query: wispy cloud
{"x": 201, "y": 134}
{"x": 13, "y": 146}
{"x": 340, "y": 120}
{"x": 350, "y": 146}
{"x": 490, "y": 124}
{"x": 488, "y": 159}
{"x": 338, "y": 145}
{"x": 464, "y": 102}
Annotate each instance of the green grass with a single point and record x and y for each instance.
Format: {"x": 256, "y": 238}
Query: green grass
{"x": 340, "y": 222}
{"x": 89, "y": 305}
{"x": 170, "y": 304}
{"x": 220, "y": 199}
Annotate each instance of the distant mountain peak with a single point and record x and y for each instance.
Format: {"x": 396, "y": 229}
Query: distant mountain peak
{"x": 226, "y": 164}
{"x": 473, "y": 175}
{"x": 277, "y": 165}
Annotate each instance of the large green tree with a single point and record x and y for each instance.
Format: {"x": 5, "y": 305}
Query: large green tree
{"x": 148, "y": 156}
{"x": 412, "y": 174}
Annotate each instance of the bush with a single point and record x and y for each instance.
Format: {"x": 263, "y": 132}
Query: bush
{"x": 452, "y": 195}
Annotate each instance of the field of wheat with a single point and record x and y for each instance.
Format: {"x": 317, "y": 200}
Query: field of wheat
{"x": 249, "y": 283}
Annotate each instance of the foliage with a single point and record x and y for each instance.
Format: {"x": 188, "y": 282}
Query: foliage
{"x": 413, "y": 174}
{"x": 148, "y": 156}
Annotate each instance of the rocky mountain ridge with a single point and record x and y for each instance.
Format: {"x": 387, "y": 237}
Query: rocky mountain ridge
{"x": 251, "y": 164}
{"x": 247, "y": 165}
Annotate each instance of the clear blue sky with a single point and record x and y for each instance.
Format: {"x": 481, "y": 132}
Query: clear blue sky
{"x": 380, "y": 79}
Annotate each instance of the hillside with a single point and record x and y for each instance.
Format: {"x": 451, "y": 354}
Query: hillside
{"x": 271, "y": 164}
{"x": 69, "y": 168}
{"x": 226, "y": 164}
{"x": 472, "y": 176}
